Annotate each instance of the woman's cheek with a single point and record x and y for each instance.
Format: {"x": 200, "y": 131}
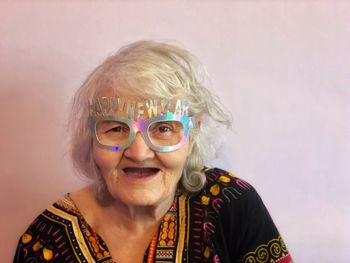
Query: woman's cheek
{"x": 175, "y": 160}
{"x": 105, "y": 160}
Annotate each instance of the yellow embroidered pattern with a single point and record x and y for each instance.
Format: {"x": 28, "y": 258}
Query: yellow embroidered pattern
{"x": 167, "y": 235}
{"x": 267, "y": 253}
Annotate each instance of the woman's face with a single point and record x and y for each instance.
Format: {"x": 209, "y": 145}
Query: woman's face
{"x": 140, "y": 176}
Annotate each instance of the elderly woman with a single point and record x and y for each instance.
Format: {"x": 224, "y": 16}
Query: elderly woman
{"x": 140, "y": 123}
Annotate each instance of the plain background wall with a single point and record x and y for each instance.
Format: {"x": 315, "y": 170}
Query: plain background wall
{"x": 281, "y": 67}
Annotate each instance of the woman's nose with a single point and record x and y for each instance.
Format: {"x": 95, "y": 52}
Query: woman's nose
{"x": 138, "y": 150}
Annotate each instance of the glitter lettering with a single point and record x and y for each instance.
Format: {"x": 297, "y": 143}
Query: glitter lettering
{"x": 152, "y": 108}
{"x": 140, "y": 109}
{"x": 135, "y": 109}
{"x": 130, "y": 109}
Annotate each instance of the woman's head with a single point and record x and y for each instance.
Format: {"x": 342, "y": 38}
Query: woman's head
{"x": 148, "y": 70}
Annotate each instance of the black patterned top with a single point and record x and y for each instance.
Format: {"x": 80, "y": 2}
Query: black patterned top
{"x": 225, "y": 222}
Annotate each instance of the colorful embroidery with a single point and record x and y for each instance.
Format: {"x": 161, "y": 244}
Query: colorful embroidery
{"x": 273, "y": 252}
{"x": 151, "y": 248}
{"x": 167, "y": 235}
{"x": 222, "y": 187}
{"x": 85, "y": 241}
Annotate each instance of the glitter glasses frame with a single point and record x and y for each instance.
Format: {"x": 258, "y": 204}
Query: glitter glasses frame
{"x": 142, "y": 126}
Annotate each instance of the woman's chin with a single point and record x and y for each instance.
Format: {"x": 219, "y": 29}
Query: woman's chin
{"x": 141, "y": 197}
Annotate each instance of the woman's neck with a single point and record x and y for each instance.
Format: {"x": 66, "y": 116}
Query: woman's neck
{"x": 118, "y": 214}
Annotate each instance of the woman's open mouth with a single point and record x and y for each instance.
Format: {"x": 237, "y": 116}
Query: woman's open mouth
{"x": 140, "y": 172}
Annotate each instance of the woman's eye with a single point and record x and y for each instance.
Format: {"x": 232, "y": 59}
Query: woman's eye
{"x": 164, "y": 129}
{"x": 116, "y": 129}
{"x": 111, "y": 127}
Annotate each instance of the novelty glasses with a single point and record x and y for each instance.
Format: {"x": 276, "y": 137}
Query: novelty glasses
{"x": 164, "y": 133}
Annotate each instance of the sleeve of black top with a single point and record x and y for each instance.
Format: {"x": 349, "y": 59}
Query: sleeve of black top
{"x": 250, "y": 225}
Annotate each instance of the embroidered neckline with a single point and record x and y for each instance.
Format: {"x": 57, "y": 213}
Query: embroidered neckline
{"x": 162, "y": 246}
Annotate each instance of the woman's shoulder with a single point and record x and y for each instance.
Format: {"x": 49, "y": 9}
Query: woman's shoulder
{"x": 224, "y": 184}
{"x": 62, "y": 234}
{"x": 228, "y": 195}
{"x": 239, "y": 219}
{"x": 61, "y": 212}
{"x": 48, "y": 230}
{"x": 222, "y": 176}
{"x": 63, "y": 208}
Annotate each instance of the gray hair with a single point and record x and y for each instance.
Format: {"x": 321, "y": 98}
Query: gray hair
{"x": 157, "y": 70}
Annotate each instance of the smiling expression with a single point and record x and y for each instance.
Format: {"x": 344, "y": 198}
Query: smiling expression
{"x": 139, "y": 175}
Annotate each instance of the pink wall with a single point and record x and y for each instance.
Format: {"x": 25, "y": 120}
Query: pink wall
{"x": 282, "y": 68}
